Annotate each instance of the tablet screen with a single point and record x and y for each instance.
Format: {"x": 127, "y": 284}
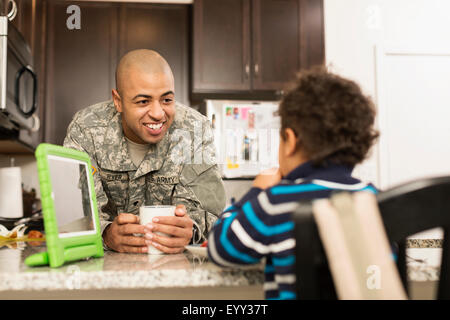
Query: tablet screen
{"x": 71, "y": 196}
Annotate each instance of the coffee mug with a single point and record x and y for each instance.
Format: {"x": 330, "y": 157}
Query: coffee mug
{"x": 147, "y": 213}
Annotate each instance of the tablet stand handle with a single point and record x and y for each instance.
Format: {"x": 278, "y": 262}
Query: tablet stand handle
{"x": 81, "y": 252}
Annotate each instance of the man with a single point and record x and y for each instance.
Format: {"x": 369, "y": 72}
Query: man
{"x": 147, "y": 149}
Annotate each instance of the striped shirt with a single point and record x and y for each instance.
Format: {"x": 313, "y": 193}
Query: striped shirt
{"x": 260, "y": 224}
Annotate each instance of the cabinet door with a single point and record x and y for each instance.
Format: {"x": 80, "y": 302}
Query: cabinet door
{"x": 80, "y": 64}
{"x": 221, "y": 45}
{"x": 287, "y": 37}
{"x": 276, "y": 43}
{"x": 163, "y": 28}
{"x": 312, "y": 40}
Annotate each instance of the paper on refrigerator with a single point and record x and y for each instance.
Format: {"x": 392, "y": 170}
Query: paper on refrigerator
{"x": 246, "y": 137}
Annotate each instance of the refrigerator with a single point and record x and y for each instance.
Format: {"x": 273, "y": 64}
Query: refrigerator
{"x": 246, "y": 136}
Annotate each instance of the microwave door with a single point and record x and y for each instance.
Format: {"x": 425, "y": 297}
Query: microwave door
{"x": 3, "y": 60}
{"x": 18, "y": 86}
{"x": 21, "y": 92}
{"x": 26, "y": 91}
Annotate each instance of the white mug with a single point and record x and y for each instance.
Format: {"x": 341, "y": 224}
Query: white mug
{"x": 147, "y": 213}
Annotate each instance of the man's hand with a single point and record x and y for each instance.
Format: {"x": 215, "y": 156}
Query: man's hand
{"x": 120, "y": 237}
{"x": 179, "y": 227}
{"x": 267, "y": 178}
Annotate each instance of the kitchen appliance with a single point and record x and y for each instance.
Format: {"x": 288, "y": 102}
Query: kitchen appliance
{"x": 18, "y": 81}
{"x": 246, "y": 135}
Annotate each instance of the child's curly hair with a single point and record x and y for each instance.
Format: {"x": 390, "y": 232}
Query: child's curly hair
{"x": 332, "y": 119}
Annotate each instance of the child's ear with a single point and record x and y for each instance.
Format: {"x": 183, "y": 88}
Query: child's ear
{"x": 290, "y": 142}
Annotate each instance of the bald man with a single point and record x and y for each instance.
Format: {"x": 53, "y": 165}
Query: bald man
{"x": 148, "y": 149}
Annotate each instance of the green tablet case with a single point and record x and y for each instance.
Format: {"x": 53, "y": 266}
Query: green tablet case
{"x": 63, "y": 249}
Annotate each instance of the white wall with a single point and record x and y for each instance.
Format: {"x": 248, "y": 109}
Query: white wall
{"x": 399, "y": 52}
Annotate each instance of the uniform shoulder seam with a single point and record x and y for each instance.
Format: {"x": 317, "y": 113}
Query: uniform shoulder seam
{"x": 97, "y": 115}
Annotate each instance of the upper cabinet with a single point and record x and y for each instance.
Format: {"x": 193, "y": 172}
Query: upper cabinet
{"x": 276, "y": 42}
{"x": 221, "y": 45}
{"x": 254, "y": 46}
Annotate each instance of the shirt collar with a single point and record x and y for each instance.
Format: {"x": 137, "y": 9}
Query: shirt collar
{"x": 308, "y": 170}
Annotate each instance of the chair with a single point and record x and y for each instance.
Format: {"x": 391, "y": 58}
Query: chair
{"x": 407, "y": 209}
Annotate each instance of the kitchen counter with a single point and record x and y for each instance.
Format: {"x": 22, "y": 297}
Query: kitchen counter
{"x": 424, "y": 243}
{"x": 187, "y": 276}
{"x": 424, "y": 258}
{"x": 127, "y": 276}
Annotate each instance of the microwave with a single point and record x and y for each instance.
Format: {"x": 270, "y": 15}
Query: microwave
{"x": 18, "y": 83}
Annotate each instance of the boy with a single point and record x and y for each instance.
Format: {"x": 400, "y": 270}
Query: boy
{"x": 326, "y": 129}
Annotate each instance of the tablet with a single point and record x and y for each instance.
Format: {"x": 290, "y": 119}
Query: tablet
{"x": 69, "y": 206}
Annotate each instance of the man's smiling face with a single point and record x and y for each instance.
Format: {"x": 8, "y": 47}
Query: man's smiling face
{"x": 147, "y": 103}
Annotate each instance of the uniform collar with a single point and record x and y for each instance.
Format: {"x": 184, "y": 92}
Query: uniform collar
{"x": 116, "y": 156}
{"x": 308, "y": 171}
{"x": 155, "y": 157}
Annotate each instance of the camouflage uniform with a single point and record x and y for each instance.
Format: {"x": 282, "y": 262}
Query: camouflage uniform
{"x": 174, "y": 171}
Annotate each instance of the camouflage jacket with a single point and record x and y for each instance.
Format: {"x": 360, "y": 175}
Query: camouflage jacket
{"x": 180, "y": 169}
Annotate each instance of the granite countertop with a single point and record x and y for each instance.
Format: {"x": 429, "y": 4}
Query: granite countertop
{"x": 424, "y": 243}
{"x": 122, "y": 271}
{"x": 424, "y": 259}
{"x": 422, "y": 271}
{"x": 142, "y": 271}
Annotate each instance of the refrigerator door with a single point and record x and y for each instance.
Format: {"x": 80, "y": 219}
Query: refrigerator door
{"x": 246, "y": 134}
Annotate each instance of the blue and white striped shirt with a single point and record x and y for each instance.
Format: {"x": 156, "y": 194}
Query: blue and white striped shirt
{"x": 260, "y": 224}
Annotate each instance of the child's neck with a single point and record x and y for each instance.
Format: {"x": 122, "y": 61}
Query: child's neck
{"x": 294, "y": 162}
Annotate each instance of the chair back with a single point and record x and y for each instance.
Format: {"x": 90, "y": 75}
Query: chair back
{"x": 405, "y": 210}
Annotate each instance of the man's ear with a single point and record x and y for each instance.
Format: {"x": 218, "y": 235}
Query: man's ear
{"x": 117, "y": 100}
{"x": 290, "y": 142}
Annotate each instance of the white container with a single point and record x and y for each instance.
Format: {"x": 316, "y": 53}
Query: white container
{"x": 11, "y": 205}
{"x": 147, "y": 213}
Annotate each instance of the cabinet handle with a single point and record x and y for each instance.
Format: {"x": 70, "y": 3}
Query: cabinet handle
{"x": 280, "y": 93}
{"x": 247, "y": 70}
{"x": 256, "y": 69}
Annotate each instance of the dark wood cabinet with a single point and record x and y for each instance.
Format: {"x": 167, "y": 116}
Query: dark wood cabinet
{"x": 254, "y": 46}
{"x": 221, "y": 45}
{"x": 276, "y": 42}
{"x": 312, "y": 39}
{"x": 79, "y": 65}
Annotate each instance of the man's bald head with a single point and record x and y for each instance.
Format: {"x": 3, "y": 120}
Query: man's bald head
{"x": 141, "y": 60}
{"x": 145, "y": 96}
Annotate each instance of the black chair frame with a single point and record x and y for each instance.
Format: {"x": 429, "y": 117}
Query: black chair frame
{"x": 406, "y": 210}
